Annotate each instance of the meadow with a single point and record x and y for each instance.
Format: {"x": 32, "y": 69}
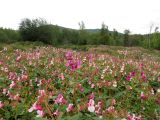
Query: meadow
{"x": 40, "y": 82}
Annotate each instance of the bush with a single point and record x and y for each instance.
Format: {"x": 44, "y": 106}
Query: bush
{"x": 9, "y": 35}
{"x": 48, "y": 34}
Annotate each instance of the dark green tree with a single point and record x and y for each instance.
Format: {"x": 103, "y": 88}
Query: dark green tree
{"x": 155, "y": 42}
{"x": 126, "y": 37}
{"x": 83, "y": 34}
{"x": 29, "y": 28}
{"x": 104, "y": 35}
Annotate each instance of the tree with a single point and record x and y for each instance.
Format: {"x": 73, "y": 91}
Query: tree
{"x": 149, "y": 35}
{"x": 29, "y": 28}
{"x": 83, "y": 34}
{"x": 104, "y": 35}
{"x": 48, "y": 34}
{"x": 156, "y": 39}
{"x": 81, "y": 25}
{"x": 126, "y": 37}
{"x": 114, "y": 37}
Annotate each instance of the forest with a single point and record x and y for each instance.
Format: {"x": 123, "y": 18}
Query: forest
{"x": 40, "y": 30}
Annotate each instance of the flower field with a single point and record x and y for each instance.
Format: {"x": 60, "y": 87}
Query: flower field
{"x": 43, "y": 82}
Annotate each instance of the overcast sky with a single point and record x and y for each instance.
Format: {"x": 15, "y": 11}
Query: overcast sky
{"x": 135, "y": 15}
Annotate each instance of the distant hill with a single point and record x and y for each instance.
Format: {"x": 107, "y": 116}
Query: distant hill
{"x": 93, "y": 30}
{"x": 88, "y": 30}
{"x": 98, "y": 30}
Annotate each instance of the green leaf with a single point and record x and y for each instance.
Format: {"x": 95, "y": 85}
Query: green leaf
{"x": 119, "y": 94}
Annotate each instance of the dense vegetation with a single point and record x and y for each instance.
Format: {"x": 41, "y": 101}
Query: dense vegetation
{"x": 40, "y": 30}
{"x": 9, "y": 35}
{"x": 110, "y": 83}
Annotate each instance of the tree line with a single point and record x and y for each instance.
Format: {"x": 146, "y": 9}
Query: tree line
{"x": 40, "y": 30}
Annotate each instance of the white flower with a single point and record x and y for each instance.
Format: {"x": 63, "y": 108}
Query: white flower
{"x": 114, "y": 84}
{"x": 31, "y": 109}
{"x": 152, "y": 92}
{"x": 91, "y": 108}
{"x": 40, "y": 113}
{"x": 100, "y": 117}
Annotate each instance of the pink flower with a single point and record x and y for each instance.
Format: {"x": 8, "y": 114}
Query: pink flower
{"x": 4, "y": 91}
{"x": 74, "y": 64}
{"x": 70, "y": 107}
{"x": 24, "y": 77}
{"x": 111, "y": 109}
{"x": 1, "y": 62}
{"x": 35, "y": 106}
{"x": 79, "y": 64}
{"x": 143, "y": 76}
{"x": 40, "y": 113}
{"x": 91, "y": 96}
{"x": 41, "y": 92}
{"x": 99, "y": 104}
{"x": 80, "y": 87}
{"x": 12, "y": 76}
{"x": 129, "y": 117}
{"x": 90, "y": 57}
{"x": 38, "y": 107}
{"x": 18, "y": 58}
{"x": 69, "y": 55}
{"x": 17, "y": 97}
{"x": 13, "y": 84}
{"x": 91, "y": 102}
{"x": 132, "y": 74}
{"x": 91, "y": 107}
{"x": 113, "y": 102}
{"x": 92, "y": 85}
{"x": 1, "y": 104}
{"x": 143, "y": 96}
{"x": 60, "y": 99}
{"x": 98, "y": 108}
{"x": 62, "y": 76}
{"x": 57, "y": 113}
{"x": 98, "y": 111}
{"x": 11, "y": 96}
{"x": 128, "y": 78}
{"x": 133, "y": 117}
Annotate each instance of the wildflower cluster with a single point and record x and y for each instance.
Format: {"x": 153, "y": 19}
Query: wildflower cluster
{"x": 52, "y": 83}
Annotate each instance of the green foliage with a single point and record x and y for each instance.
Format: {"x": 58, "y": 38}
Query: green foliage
{"x": 155, "y": 43}
{"x": 9, "y": 35}
{"x": 126, "y": 38}
{"x": 48, "y": 34}
{"x": 104, "y": 35}
{"x": 29, "y": 28}
{"x": 39, "y": 30}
